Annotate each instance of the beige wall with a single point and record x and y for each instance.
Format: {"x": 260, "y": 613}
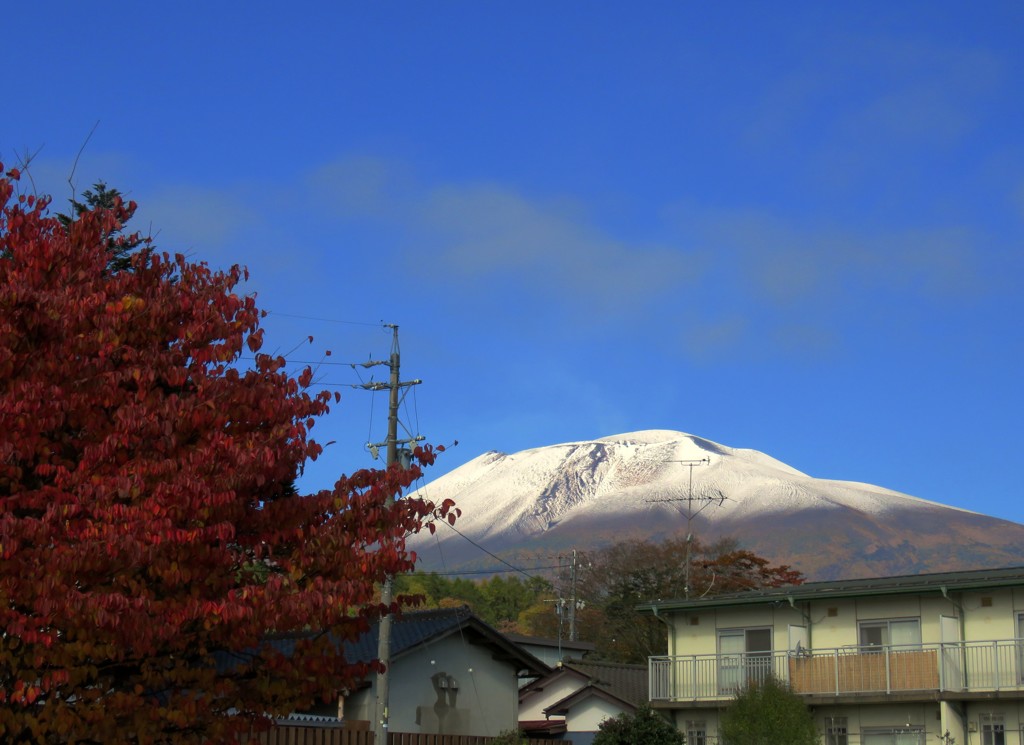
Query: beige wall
{"x": 696, "y": 633}
{"x": 928, "y": 715}
{"x": 981, "y": 616}
{"x": 998, "y": 621}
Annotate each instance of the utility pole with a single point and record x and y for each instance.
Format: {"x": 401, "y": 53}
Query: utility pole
{"x": 572, "y": 601}
{"x": 393, "y": 455}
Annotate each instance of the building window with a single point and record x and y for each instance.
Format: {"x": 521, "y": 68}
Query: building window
{"x": 904, "y": 632}
{"x": 696, "y": 733}
{"x": 835, "y": 731}
{"x": 893, "y": 736}
{"x": 993, "y": 729}
{"x": 744, "y": 656}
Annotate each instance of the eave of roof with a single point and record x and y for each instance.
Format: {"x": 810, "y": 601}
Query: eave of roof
{"x": 546, "y": 681}
{"x": 542, "y": 726}
{"x": 919, "y": 584}
{"x": 415, "y": 629}
{"x": 543, "y": 641}
{"x": 562, "y": 707}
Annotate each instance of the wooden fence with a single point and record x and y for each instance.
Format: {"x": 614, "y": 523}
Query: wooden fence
{"x": 289, "y": 734}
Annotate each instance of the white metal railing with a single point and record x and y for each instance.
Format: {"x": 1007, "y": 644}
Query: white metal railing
{"x": 960, "y": 666}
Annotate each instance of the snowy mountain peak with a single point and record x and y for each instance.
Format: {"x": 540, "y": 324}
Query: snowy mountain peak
{"x": 657, "y": 483}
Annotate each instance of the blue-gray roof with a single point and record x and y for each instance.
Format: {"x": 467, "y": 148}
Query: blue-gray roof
{"x": 413, "y": 629}
{"x": 410, "y": 630}
{"x": 917, "y": 584}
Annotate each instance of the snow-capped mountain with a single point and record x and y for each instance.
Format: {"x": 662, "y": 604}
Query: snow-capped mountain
{"x": 655, "y": 484}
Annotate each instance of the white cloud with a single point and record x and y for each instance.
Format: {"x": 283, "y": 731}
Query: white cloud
{"x": 783, "y": 286}
{"x": 868, "y": 103}
{"x": 710, "y": 340}
{"x": 188, "y": 218}
{"x": 499, "y": 241}
{"x": 358, "y": 187}
{"x": 491, "y": 232}
{"x": 792, "y": 265}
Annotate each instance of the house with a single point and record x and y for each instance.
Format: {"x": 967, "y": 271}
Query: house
{"x": 552, "y": 651}
{"x": 451, "y": 673}
{"x": 936, "y": 658}
{"x": 570, "y": 703}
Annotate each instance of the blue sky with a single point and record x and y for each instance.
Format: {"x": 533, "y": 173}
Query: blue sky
{"x": 791, "y": 227}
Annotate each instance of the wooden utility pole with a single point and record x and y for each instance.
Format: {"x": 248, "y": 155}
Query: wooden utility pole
{"x": 394, "y": 386}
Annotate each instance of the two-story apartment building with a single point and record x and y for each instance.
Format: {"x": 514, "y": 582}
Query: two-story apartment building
{"x": 931, "y": 658}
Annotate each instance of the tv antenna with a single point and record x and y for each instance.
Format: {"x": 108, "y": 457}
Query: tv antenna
{"x": 694, "y": 506}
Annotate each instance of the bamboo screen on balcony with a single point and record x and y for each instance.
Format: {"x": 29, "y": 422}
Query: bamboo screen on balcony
{"x": 865, "y": 672}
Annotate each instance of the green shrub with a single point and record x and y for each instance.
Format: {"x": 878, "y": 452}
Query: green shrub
{"x": 644, "y": 727}
{"x": 768, "y": 713}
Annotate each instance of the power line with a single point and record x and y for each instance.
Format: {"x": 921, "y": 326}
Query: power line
{"x": 489, "y": 553}
{"x": 368, "y": 363}
{"x": 454, "y": 573}
{"x": 325, "y": 320}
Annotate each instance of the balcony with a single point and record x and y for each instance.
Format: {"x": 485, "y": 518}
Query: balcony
{"x": 960, "y": 668}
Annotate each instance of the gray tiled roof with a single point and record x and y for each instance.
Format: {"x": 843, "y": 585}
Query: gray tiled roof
{"x": 409, "y": 630}
{"x": 941, "y": 582}
{"x": 627, "y": 682}
{"x": 414, "y": 628}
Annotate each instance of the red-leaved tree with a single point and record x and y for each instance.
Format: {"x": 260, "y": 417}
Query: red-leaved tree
{"x": 150, "y": 533}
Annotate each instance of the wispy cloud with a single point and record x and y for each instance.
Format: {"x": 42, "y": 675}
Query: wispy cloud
{"x": 192, "y": 218}
{"x": 922, "y": 96}
{"x": 792, "y": 284}
{"x": 547, "y": 249}
{"x": 708, "y": 340}
{"x": 182, "y": 217}
{"x": 725, "y": 279}
{"x": 721, "y": 280}
{"x": 789, "y": 264}
{"x": 360, "y": 187}
{"x": 489, "y": 231}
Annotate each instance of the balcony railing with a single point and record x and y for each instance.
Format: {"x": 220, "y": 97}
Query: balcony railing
{"x": 956, "y": 667}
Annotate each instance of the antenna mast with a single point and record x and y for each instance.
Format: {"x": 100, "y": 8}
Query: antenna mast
{"x": 703, "y": 501}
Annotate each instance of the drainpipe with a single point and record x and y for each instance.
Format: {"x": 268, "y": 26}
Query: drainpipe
{"x": 960, "y": 612}
{"x": 805, "y": 616}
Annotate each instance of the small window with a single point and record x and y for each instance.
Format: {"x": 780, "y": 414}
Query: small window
{"x": 993, "y": 729}
{"x": 835, "y": 731}
{"x": 696, "y": 733}
{"x": 896, "y": 633}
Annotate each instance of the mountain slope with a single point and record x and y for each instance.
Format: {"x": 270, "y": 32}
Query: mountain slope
{"x": 539, "y": 502}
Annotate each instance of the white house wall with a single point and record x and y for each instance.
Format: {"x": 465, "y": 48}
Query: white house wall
{"x": 533, "y": 706}
{"x": 586, "y": 716}
{"x": 486, "y": 703}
